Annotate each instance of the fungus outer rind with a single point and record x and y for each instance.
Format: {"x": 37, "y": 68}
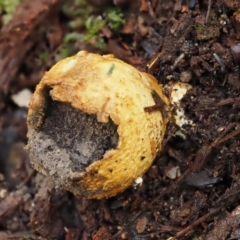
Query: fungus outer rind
{"x": 85, "y": 82}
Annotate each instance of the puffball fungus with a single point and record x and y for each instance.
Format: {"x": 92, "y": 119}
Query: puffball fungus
{"x": 87, "y": 128}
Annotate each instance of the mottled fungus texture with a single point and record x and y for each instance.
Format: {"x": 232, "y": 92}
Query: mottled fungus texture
{"x": 71, "y": 139}
{"x": 88, "y": 127}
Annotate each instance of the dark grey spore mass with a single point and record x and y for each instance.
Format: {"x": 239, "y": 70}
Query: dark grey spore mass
{"x": 70, "y": 138}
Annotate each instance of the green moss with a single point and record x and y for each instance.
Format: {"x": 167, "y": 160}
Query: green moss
{"x": 43, "y": 56}
{"x": 27, "y": 237}
{"x": 64, "y": 52}
{"x": 115, "y": 18}
{"x": 93, "y": 26}
{"x": 7, "y": 8}
{"x": 78, "y": 11}
{"x": 89, "y": 21}
{"x": 72, "y": 37}
{"x": 101, "y": 44}
{"x": 199, "y": 27}
{"x": 210, "y": 30}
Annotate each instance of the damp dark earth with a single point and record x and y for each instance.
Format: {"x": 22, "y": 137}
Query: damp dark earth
{"x": 192, "y": 189}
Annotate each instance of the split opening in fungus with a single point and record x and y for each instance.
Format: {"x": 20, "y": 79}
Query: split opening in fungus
{"x": 72, "y": 132}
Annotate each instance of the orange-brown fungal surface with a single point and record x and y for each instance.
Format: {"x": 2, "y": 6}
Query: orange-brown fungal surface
{"x": 115, "y": 94}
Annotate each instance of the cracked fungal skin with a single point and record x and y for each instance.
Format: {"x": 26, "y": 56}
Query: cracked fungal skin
{"x": 88, "y": 131}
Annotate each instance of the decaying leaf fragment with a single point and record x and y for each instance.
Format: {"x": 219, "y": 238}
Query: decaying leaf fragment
{"x": 88, "y": 131}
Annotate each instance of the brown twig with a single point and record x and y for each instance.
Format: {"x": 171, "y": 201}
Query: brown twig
{"x": 204, "y": 152}
{"x": 208, "y": 11}
{"x": 230, "y": 135}
{"x": 155, "y": 107}
{"x": 196, "y": 223}
{"x": 17, "y": 37}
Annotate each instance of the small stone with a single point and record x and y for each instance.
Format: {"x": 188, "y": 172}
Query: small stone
{"x": 141, "y": 224}
{"x": 186, "y": 76}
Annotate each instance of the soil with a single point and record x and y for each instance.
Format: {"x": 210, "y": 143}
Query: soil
{"x": 61, "y": 144}
{"x": 192, "y": 189}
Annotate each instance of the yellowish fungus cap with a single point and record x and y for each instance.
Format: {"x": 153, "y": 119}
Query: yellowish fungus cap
{"x": 110, "y": 89}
